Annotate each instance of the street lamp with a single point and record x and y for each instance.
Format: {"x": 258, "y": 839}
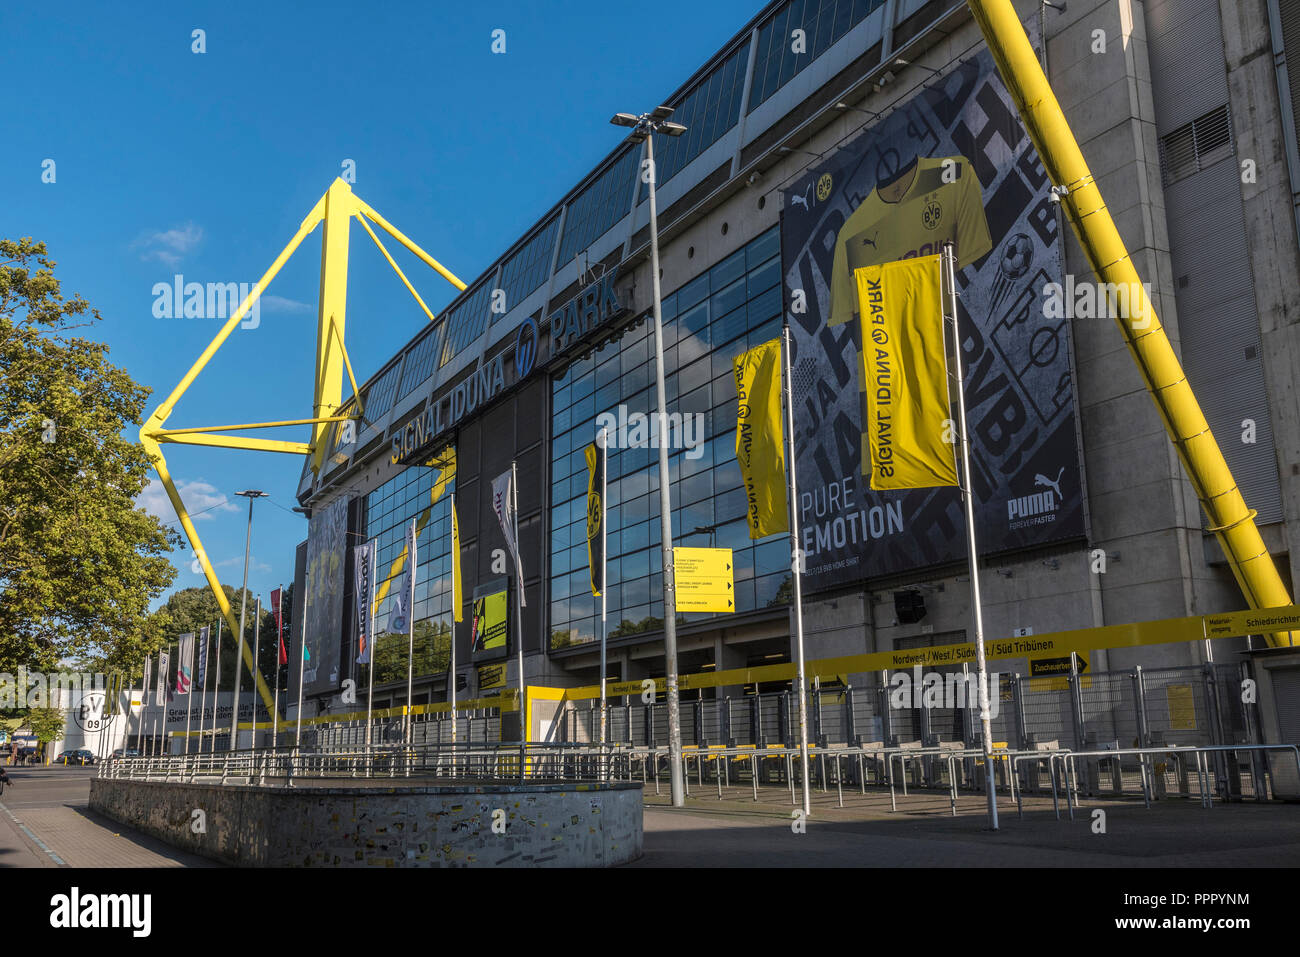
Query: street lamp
{"x": 249, "y": 494}
{"x": 643, "y": 126}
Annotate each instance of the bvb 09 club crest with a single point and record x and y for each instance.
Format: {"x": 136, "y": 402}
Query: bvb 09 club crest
{"x": 824, "y": 186}
{"x": 593, "y": 515}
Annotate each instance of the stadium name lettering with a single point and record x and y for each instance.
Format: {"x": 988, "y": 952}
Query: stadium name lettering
{"x": 884, "y": 381}
{"x": 585, "y": 312}
{"x": 483, "y": 385}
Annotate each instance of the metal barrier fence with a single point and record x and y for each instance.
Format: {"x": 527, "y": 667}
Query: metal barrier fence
{"x": 1115, "y": 711}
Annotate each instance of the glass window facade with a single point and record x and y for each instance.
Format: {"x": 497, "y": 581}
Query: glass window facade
{"x": 710, "y": 109}
{"x": 466, "y": 321}
{"x": 419, "y": 362}
{"x": 822, "y": 21}
{"x": 597, "y": 208}
{"x": 528, "y": 268}
{"x": 379, "y": 398}
{"x": 389, "y": 509}
{"x": 707, "y": 322}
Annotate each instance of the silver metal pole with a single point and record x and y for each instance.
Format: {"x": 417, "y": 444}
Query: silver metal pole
{"x": 239, "y": 644}
{"x": 302, "y": 660}
{"x": 370, "y": 666}
{"x": 604, "y": 585}
{"x": 410, "y": 633}
{"x": 189, "y": 696}
{"x": 796, "y": 568}
{"x": 144, "y": 706}
{"x": 451, "y": 672}
{"x": 257, "y": 644}
{"x": 968, "y": 494}
{"x": 275, "y": 705}
{"x": 519, "y": 613}
{"x": 665, "y": 509}
{"x": 216, "y": 689}
{"x": 203, "y": 701}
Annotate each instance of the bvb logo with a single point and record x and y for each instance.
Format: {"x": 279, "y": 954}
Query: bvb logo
{"x": 593, "y": 515}
{"x": 932, "y": 215}
{"x": 824, "y": 187}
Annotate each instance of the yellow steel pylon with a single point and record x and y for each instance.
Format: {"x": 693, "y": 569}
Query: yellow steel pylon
{"x": 335, "y": 209}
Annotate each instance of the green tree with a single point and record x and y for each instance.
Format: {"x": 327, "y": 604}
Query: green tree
{"x": 46, "y": 723}
{"x": 79, "y": 562}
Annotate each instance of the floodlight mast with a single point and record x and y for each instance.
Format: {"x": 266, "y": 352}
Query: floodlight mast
{"x": 643, "y": 126}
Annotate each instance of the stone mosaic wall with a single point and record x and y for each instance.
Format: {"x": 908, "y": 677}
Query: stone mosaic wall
{"x": 435, "y": 826}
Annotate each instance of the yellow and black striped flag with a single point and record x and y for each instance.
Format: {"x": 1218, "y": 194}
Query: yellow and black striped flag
{"x": 760, "y": 440}
{"x": 595, "y": 516}
{"x": 907, "y": 429}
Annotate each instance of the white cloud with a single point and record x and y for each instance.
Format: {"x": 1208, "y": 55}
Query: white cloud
{"x": 202, "y": 500}
{"x": 170, "y": 245}
{"x": 281, "y": 304}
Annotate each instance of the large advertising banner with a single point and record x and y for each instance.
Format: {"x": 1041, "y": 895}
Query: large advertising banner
{"x": 489, "y": 636}
{"x": 326, "y": 561}
{"x": 953, "y": 163}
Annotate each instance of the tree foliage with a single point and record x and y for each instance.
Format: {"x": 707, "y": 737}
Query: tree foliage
{"x": 46, "y": 723}
{"x": 79, "y": 562}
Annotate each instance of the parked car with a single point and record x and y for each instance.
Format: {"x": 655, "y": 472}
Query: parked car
{"x": 125, "y": 753}
{"x": 75, "y": 757}
{"x": 85, "y": 755}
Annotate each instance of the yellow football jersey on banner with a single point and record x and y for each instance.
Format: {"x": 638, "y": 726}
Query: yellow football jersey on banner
{"x": 942, "y": 202}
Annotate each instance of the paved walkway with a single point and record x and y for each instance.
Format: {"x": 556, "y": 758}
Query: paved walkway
{"x": 45, "y": 822}
{"x": 737, "y": 832}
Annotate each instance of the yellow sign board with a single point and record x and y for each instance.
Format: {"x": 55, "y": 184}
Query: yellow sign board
{"x": 1182, "y": 707}
{"x": 1267, "y": 621}
{"x": 491, "y": 676}
{"x": 704, "y": 579}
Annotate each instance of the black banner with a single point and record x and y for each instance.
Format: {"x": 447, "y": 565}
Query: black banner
{"x": 952, "y": 163}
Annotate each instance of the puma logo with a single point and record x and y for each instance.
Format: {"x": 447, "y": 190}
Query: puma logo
{"x": 802, "y": 200}
{"x": 1045, "y": 482}
{"x": 871, "y": 242}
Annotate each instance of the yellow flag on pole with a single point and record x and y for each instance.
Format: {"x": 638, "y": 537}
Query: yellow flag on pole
{"x": 760, "y": 443}
{"x": 908, "y": 430}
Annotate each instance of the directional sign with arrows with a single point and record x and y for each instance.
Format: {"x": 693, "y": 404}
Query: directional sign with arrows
{"x": 704, "y": 579}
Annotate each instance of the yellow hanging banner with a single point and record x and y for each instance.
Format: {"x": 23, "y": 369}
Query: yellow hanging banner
{"x": 907, "y": 429}
{"x": 760, "y": 444}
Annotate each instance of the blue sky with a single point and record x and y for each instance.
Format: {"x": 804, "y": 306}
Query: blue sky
{"x": 168, "y": 162}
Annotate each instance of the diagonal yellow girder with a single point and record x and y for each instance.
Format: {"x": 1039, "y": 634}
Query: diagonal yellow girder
{"x": 335, "y": 209}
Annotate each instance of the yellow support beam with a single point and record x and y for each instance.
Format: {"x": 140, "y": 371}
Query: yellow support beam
{"x": 236, "y": 442}
{"x": 1230, "y": 520}
{"x": 335, "y": 209}
{"x": 332, "y": 315}
{"x": 397, "y": 234}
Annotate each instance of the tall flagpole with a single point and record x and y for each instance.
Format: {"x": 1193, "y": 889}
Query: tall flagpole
{"x": 257, "y": 644}
{"x": 189, "y": 696}
{"x": 302, "y": 660}
{"x": 203, "y": 700}
{"x": 410, "y": 634}
{"x": 604, "y": 585}
{"x": 968, "y": 494}
{"x": 144, "y": 706}
{"x": 275, "y": 706}
{"x": 370, "y": 654}
{"x": 451, "y": 674}
{"x": 216, "y": 689}
{"x": 796, "y": 568}
{"x": 519, "y": 607}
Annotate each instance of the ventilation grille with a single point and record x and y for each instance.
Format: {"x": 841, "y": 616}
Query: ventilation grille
{"x": 1198, "y": 145}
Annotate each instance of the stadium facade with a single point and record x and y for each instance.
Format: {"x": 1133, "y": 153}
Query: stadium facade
{"x": 823, "y": 134}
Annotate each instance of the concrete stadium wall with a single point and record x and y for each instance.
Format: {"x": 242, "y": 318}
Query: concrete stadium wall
{"x": 419, "y": 826}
